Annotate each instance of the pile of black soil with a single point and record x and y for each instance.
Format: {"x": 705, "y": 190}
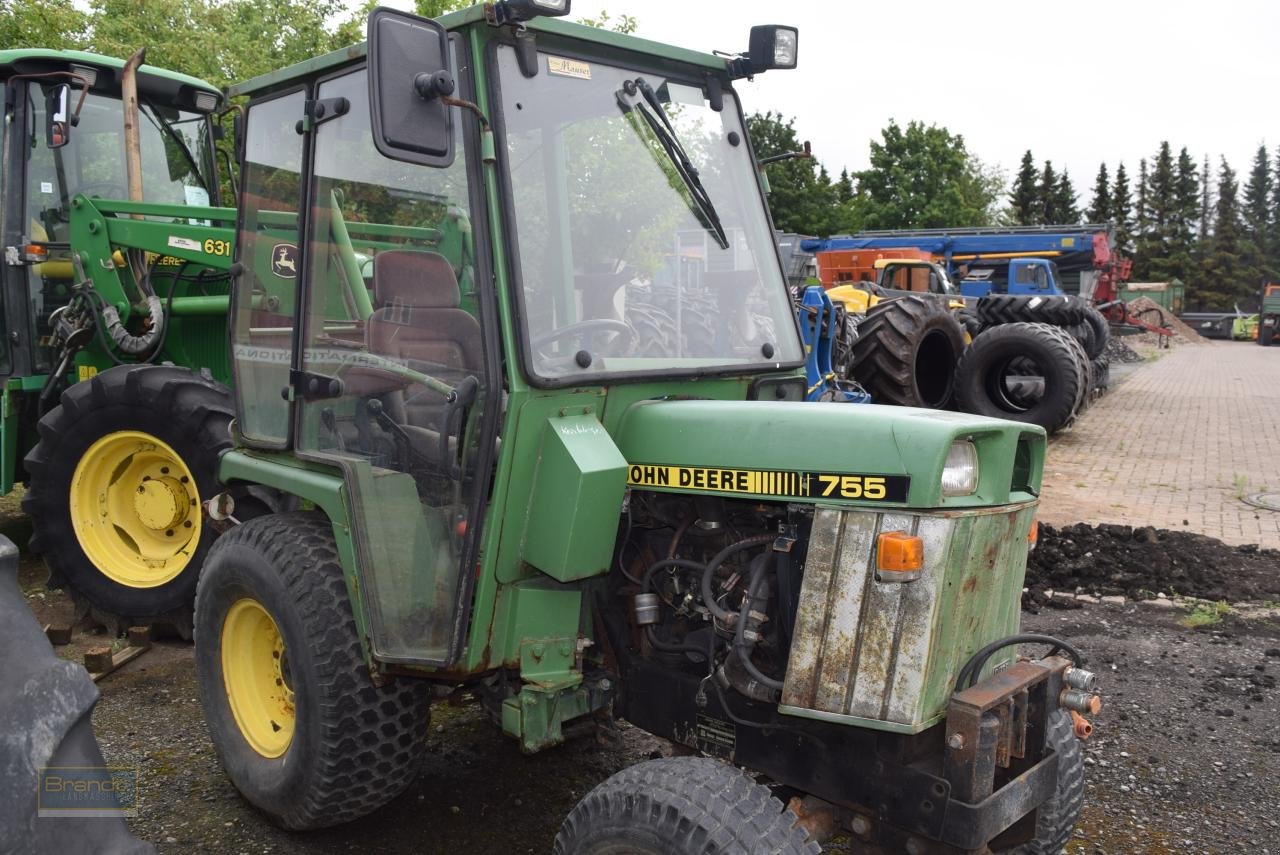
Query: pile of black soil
{"x": 1139, "y": 562}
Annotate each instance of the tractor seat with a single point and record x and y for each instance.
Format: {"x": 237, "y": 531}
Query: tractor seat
{"x": 417, "y": 322}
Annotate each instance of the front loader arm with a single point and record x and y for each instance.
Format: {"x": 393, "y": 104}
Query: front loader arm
{"x": 100, "y": 227}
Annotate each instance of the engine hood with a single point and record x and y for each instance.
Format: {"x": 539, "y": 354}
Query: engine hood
{"x": 827, "y": 453}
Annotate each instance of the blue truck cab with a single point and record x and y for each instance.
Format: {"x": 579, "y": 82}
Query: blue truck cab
{"x": 1027, "y": 276}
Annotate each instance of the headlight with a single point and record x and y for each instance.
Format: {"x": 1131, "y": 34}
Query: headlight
{"x": 960, "y": 472}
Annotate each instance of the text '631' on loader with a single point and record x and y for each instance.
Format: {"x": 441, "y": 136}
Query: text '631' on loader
{"x": 543, "y": 441}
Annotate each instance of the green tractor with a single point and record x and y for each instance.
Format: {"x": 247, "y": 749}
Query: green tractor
{"x": 527, "y": 471}
{"x": 114, "y": 364}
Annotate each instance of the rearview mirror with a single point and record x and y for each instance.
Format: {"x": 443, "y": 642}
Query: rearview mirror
{"x": 57, "y": 116}
{"x": 409, "y": 81}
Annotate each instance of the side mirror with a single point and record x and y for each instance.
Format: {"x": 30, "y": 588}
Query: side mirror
{"x": 57, "y": 116}
{"x": 409, "y": 81}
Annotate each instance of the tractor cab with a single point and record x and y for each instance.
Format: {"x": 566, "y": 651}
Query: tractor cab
{"x": 66, "y": 137}
{"x": 605, "y": 206}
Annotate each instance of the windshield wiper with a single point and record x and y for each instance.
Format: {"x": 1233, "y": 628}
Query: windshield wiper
{"x": 156, "y": 119}
{"x": 650, "y": 109}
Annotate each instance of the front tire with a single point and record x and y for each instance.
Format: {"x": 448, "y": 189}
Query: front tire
{"x": 681, "y": 806}
{"x": 116, "y": 487}
{"x": 301, "y": 730}
{"x": 1059, "y": 814}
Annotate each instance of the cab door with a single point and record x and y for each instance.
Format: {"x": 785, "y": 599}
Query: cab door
{"x": 394, "y": 341}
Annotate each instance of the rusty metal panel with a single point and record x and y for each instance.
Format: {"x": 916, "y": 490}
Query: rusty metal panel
{"x": 885, "y": 651}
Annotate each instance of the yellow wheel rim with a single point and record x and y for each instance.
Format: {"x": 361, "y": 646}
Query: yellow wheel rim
{"x": 255, "y": 670}
{"x": 135, "y": 509}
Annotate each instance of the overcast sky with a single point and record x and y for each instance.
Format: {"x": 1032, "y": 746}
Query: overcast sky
{"x": 1078, "y": 82}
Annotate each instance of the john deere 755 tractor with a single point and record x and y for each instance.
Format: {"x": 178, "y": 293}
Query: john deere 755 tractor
{"x": 114, "y": 360}
{"x": 527, "y": 474}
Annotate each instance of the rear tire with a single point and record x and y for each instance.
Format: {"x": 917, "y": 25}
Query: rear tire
{"x": 335, "y": 747}
{"x": 1057, "y": 309}
{"x": 1266, "y": 335}
{"x": 110, "y": 436}
{"x": 681, "y": 806}
{"x": 982, "y": 385}
{"x": 906, "y": 352}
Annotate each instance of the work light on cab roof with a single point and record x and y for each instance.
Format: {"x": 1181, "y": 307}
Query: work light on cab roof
{"x": 513, "y": 11}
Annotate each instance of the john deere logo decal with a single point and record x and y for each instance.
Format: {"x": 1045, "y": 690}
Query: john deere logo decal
{"x": 284, "y": 260}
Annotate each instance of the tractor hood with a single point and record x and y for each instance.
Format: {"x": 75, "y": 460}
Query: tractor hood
{"x": 828, "y": 453}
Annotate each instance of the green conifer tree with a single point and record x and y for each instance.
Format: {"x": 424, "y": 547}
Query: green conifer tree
{"x": 1100, "y": 207}
{"x": 1025, "y": 196}
{"x": 1224, "y": 282}
{"x": 1046, "y": 210}
{"x": 1121, "y": 212}
{"x": 1256, "y": 211}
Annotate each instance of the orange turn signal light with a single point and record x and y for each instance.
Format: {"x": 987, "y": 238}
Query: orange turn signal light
{"x": 899, "y": 552}
{"x": 35, "y": 253}
{"x": 1033, "y": 536}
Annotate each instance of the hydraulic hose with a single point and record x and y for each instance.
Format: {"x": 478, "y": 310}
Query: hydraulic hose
{"x": 135, "y": 344}
{"x": 976, "y": 662}
{"x": 741, "y": 644}
{"x": 708, "y": 576}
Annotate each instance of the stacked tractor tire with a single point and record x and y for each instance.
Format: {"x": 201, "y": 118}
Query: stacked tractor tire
{"x": 1039, "y": 360}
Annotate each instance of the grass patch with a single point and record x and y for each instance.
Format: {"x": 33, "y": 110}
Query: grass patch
{"x": 1240, "y": 484}
{"x": 1204, "y": 614}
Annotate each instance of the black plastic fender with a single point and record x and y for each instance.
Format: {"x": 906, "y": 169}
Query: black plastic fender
{"x": 45, "y": 710}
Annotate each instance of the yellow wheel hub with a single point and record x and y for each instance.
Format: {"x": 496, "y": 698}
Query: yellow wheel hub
{"x": 255, "y": 671}
{"x": 135, "y": 509}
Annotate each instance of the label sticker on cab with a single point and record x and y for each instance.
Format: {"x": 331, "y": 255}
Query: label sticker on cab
{"x": 773, "y": 482}
{"x": 568, "y": 67}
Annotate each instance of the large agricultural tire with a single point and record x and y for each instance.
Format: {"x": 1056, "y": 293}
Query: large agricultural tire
{"x": 301, "y": 730}
{"x": 1083, "y": 364}
{"x": 1266, "y": 334}
{"x": 906, "y": 352}
{"x": 1059, "y": 310}
{"x": 681, "y": 806}
{"x": 984, "y": 385}
{"x": 1059, "y": 814}
{"x": 116, "y": 486}
{"x": 1101, "y": 375}
{"x": 1083, "y": 333}
{"x": 1101, "y": 332}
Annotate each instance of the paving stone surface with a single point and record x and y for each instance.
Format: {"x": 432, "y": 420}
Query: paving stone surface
{"x": 1177, "y": 444}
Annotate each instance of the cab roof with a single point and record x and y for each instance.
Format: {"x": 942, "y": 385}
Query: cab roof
{"x": 475, "y": 15}
{"x": 34, "y": 60}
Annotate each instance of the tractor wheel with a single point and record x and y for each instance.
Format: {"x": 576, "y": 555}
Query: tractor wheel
{"x": 1101, "y": 332}
{"x": 1101, "y": 375}
{"x": 681, "y": 806}
{"x": 116, "y": 487}
{"x": 1083, "y": 333}
{"x": 301, "y": 729}
{"x": 1082, "y": 363}
{"x": 1266, "y": 334}
{"x": 655, "y": 329}
{"x": 1058, "y": 815}
{"x": 1025, "y": 372}
{"x": 906, "y": 352}
{"x": 1059, "y": 310}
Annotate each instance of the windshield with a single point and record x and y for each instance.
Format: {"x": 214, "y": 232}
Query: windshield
{"x": 177, "y": 169}
{"x": 643, "y": 243}
{"x": 176, "y": 160}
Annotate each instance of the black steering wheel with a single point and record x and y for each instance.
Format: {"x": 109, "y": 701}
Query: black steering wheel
{"x": 622, "y": 330}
